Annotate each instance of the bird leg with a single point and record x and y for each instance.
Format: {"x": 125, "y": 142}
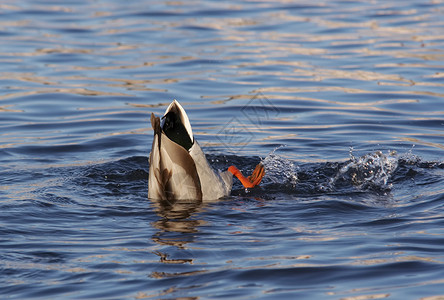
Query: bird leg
{"x": 252, "y": 180}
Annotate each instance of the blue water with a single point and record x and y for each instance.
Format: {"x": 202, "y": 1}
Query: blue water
{"x": 341, "y": 100}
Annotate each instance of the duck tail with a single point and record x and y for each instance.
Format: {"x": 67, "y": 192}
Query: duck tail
{"x": 155, "y": 123}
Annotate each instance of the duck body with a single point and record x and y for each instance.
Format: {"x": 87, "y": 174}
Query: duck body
{"x": 179, "y": 169}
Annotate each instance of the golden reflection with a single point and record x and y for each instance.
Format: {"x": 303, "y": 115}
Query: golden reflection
{"x": 9, "y": 7}
{"x": 248, "y": 55}
{"x": 115, "y": 67}
{"x": 5, "y": 108}
{"x": 372, "y": 104}
{"x": 437, "y": 75}
{"x": 45, "y": 51}
{"x": 62, "y": 50}
{"x": 79, "y": 84}
{"x": 421, "y": 142}
{"x": 366, "y": 297}
{"x": 401, "y": 286}
{"x": 78, "y": 91}
{"x": 324, "y": 74}
{"x": 27, "y": 77}
{"x": 390, "y": 257}
{"x": 156, "y": 105}
{"x": 437, "y": 297}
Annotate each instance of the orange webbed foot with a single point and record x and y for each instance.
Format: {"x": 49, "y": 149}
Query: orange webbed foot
{"x": 252, "y": 180}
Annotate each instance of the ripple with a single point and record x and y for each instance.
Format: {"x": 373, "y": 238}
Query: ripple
{"x": 79, "y": 82}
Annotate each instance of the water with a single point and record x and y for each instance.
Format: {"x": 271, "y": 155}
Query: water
{"x": 341, "y": 100}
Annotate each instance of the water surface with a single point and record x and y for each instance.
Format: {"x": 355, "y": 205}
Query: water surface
{"x": 341, "y": 100}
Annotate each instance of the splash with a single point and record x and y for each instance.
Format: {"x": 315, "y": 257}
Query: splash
{"x": 280, "y": 170}
{"x": 372, "y": 171}
{"x": 409, "y": 158}
{"x": 369, "y": 171}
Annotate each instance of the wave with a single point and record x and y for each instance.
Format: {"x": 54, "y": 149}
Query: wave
{"x": 375, "y": 172}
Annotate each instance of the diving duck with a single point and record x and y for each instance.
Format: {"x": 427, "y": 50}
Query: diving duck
{"x": 179, "y": 169}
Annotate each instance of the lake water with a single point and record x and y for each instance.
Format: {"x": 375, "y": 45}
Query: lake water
{"x": 343, "y": 101}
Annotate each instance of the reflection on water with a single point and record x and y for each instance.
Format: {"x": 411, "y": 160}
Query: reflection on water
{"x": 176, "y": 227}
{"x": 79, "y": 80}
{"x": 175, "y": 216}
{"x": 360, "y": 56}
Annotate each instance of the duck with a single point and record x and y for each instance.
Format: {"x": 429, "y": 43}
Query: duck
{"x": 178, "y": 168}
